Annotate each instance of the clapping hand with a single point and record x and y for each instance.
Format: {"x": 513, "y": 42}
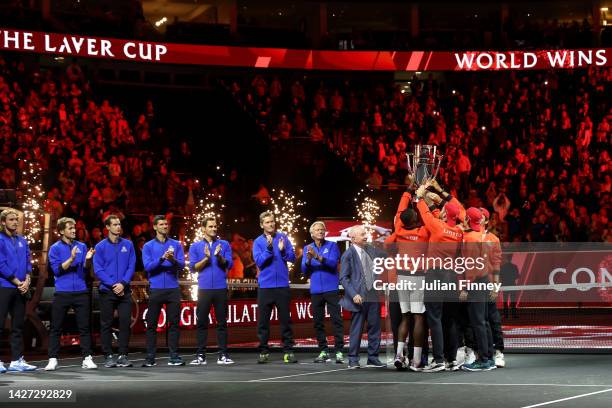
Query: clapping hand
{"x": 310, "y": 253}
{"x": 73, "y": 253}
{"x": 281, "y": 244}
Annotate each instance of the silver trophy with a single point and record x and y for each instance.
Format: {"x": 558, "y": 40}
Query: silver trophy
{"x": 424, "y": 163}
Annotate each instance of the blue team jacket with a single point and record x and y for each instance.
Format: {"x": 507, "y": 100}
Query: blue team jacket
{"x": 323, "y": 275}
{"x": 72, "y": 279}
{"x": 272, "y": 264}
{"x": 114, "y": 263}
{"x": 15, "y": 261}
{"x": 212, "y": 276}
{"x": 163, "y": 274}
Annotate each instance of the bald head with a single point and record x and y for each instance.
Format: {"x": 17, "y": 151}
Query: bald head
{"x": 358, "y": 235}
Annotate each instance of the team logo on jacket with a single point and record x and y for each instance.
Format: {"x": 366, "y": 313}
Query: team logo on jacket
{"x": 326, "y": 250}
{"x": 20, "y": 244}
{"x": 123, "y": 249}
{"x": 78, "y": 250}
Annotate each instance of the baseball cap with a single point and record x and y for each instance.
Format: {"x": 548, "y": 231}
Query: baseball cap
{"x": 474, "y": 218}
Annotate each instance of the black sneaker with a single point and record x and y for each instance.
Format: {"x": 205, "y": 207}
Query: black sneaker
{"x": 376, "y": 363}
{"x": 290, "y": 358}
{"x": 323, "y": 357}
{"x": 149, "y": 362}
{"x": 354, "y": 364}
{"x": 339, "y": 357}
{"x": 123, "y": 361}
{"x": 263, "y": 358}
{"x": 176, "y": 361}
{"x": 110, "y": 362}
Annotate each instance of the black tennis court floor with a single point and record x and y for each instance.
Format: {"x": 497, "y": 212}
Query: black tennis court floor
{"x": 529, "y": 380}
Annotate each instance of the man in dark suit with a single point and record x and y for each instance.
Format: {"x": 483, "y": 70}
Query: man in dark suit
{"x": 357, "y": 277}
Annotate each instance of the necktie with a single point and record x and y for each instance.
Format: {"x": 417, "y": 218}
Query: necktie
{"x": 366, "y": 267}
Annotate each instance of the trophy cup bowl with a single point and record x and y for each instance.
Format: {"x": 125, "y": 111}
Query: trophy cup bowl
{"x": 424, "y": 163}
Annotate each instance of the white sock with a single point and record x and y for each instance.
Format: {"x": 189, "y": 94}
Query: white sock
{"x": 416, "y": 358}
{"x": 400, "y": 348}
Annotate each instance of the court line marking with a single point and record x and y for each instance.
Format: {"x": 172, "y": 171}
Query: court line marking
{"x": 448, "y": 383}
{"x": 263, "y": 381}
{"x": 567, "y": 399}
{"x": 301, "y": 374}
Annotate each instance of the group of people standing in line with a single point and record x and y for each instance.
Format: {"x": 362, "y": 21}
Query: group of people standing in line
{"x": 437, "y": 218}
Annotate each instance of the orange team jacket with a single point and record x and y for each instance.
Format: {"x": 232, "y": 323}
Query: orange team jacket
{"x": 473, "y": 248}
{"x": 411, "y": 242}
{"x": 440, "y": 232}
{"x": 402, "y": 234}
{"x": 492, "y": 248}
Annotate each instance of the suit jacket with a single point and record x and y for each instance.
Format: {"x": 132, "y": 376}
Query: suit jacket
{"x": 351, "y": 276}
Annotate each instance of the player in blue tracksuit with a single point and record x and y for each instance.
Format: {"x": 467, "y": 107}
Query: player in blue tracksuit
{"x": 271, "y": 252}
{"x": 70, "y": 262}
{"x": 15, "y": 271}
{"x": 163, "y": 260}
{"x": 211, "y": 258}
{"x": 114, "y": 265}
{"x": 320, "y": 264}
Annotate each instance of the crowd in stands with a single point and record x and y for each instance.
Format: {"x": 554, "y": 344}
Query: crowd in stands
{"x": 94, "y": 160}
{"x": 533, "y": 147}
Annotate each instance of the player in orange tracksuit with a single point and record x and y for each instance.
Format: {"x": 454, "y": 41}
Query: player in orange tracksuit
{"x": 494, "y": 257}
{"x": 477, "y": 300}
{"x": 445, "y": 238}
{"x": 410, "y": 238}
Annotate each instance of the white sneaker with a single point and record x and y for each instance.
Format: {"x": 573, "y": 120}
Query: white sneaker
{"x": 21, "y": 365}
{"x": 224, "y": 360}
{"x": 199, "y": 360}
{"x": 434, "y": 367}
{"x": 88, "y": 363}
{"x": 400, "y": 363}
{"x": 470, "y": 356}
{"x": 453, "y": 366}
{"x": 499, "y": 359}
{"x": 2, "y": 368}
{"x": 415, "y": 366}
{"x": 52, "y": 365}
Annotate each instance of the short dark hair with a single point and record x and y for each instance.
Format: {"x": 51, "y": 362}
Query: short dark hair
{"x": 109, "y": 219}
{"x": 208, "y": 219}
{"x": 409, "y": 218}
{"x": 158, "y": 218}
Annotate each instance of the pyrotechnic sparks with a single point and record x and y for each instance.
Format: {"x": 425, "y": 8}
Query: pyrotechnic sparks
{"x": 32, "y": 196}
{"x": 210, "y": 206}
{"x": 286, "y": 209}
{"x": 368, "y": 211}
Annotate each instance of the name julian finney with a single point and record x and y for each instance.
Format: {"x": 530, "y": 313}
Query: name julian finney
{"x": 436, "y": 285}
